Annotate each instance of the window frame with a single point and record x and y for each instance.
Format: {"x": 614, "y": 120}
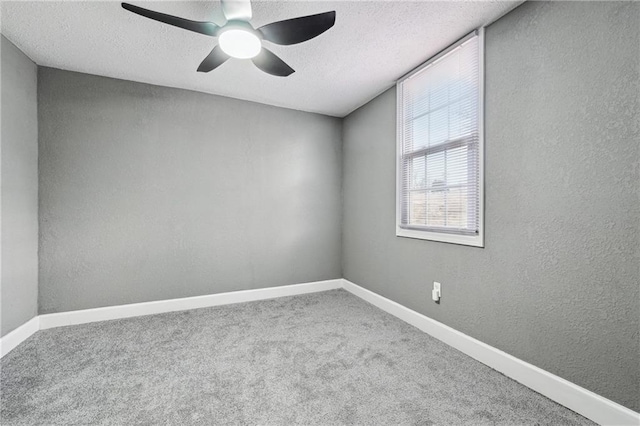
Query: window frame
{"x": 476, "y": 240}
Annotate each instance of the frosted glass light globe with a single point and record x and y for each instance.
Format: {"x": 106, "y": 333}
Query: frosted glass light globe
{"x": 240, "y": 44}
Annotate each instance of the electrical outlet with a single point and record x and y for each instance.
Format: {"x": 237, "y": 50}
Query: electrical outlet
{"x": 436, "y": 293}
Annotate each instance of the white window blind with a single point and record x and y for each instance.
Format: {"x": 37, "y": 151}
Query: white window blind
{"x": 440, "y": 147}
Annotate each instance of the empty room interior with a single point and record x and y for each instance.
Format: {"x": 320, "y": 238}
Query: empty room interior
{"x": 320, "y": 212}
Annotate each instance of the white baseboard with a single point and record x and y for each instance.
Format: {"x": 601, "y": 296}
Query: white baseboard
{"x": 161, "y": 306}
{"x": 591, "y": 405}
{"x": 19, "y": 335}
{"x": 42, "y": 322}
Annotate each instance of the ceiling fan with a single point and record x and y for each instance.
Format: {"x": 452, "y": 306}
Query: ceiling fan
{"x": 238, "y": 39}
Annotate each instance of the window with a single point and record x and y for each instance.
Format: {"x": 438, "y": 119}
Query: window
{"x": 440, "y": 147}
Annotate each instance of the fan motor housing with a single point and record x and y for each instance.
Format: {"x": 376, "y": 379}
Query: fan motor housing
{"x": 239, "y": 25}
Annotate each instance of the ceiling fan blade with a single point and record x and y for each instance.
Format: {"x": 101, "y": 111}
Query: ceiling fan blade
{"x": 297, "y": 30}
{"x": 206, "y": 28}
{"x": 268, "y": 62}
{"x": 213, "y": 60}
{"x": 236, "y": 9}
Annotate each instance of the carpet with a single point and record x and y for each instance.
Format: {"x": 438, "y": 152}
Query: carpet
{"x": 318, "y": 359}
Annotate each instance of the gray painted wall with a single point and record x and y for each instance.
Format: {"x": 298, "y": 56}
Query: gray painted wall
{"x": 19, "y": 176}
{"x": 150, "y": 193}
{"x": 558, "y": 282}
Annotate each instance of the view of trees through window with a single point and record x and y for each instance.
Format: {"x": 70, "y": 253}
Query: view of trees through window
{"x": 438, "y": 195}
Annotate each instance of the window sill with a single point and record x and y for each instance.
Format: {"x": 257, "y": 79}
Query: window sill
{"x": 465, "y": 240}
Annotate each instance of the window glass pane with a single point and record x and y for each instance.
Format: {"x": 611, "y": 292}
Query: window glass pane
{"x": 439, "y": 86}
{"x": 435, "y": 170}
{"x": 419, "y": 99}
{"x": 418, "y": 178}
{"x": 457, "y": 166}
{"x": 419, "y": 134}
{"x": 456, "y": 119}
{"x": 439, "y": 126}
{"x": 417, "y": 208}
{"x": 436, "y": 207}
{"x": 457, "y": 205}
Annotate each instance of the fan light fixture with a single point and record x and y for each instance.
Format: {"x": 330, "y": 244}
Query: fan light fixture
{"x": 239, "y": 39}
{"x": 240, "y": 44}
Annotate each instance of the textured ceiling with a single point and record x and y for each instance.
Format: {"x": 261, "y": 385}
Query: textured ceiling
{"x": 371, "y": 45}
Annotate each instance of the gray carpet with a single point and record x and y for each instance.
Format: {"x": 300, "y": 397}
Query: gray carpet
{"x": 324, "y": 358}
